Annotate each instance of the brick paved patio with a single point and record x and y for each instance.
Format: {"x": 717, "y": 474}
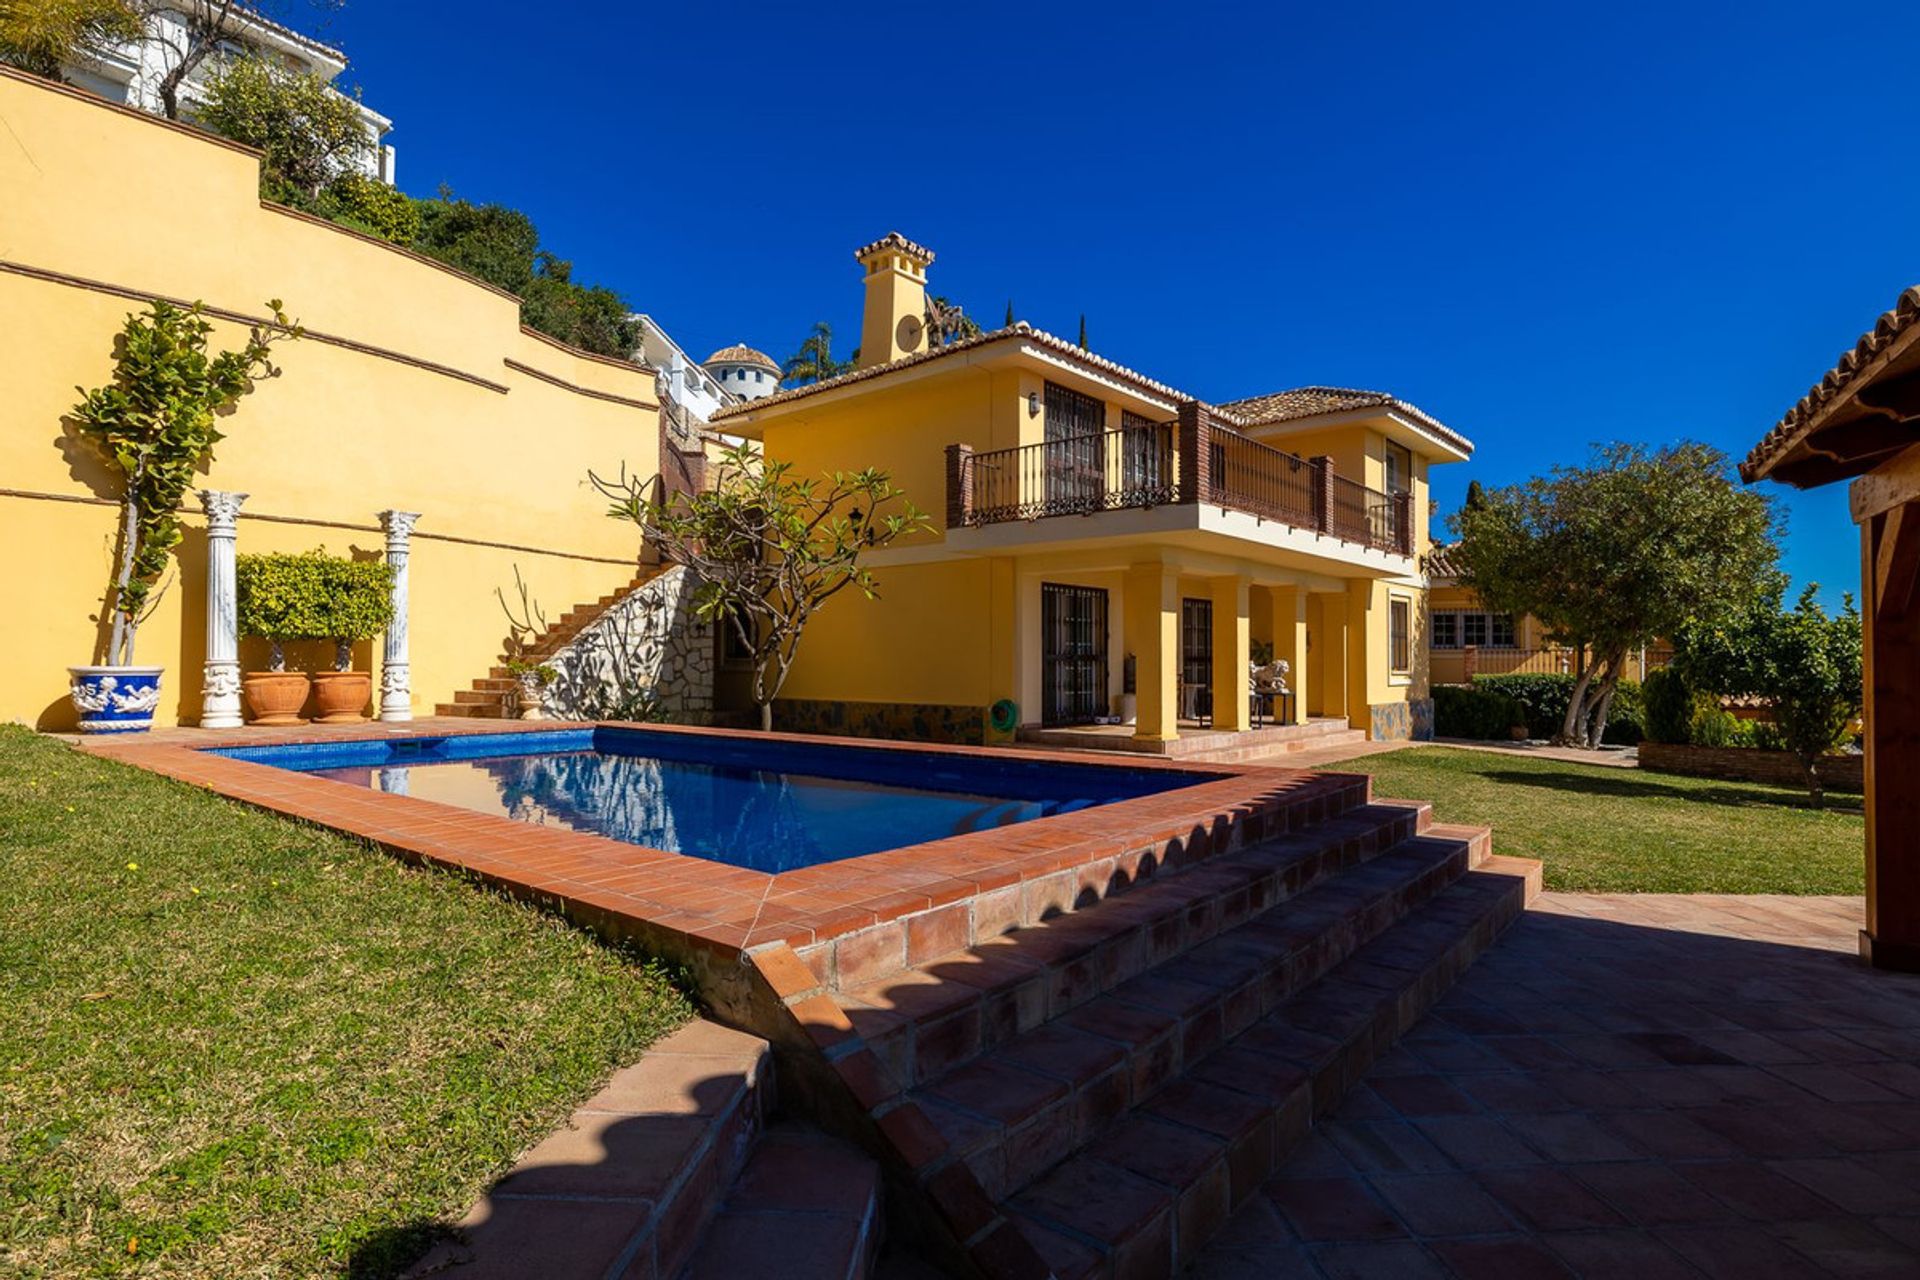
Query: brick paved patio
{"x": 1633, "y": 1086}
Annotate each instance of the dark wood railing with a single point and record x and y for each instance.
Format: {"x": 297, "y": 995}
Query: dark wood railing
{"x": 1144, "y": 466}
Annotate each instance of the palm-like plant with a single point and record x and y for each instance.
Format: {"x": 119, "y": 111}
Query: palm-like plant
{"x": 814, "y": 361}
{"x": 947, "y": 322}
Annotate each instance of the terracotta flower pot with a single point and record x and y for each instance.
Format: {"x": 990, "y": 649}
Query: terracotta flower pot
{"x": 275, "y": 697}
{"x": 341, "y": 696}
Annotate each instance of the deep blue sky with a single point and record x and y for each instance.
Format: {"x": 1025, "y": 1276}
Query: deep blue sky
{"x": 1547, "y": 226}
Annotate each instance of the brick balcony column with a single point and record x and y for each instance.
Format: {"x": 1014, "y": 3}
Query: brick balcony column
{"x": 1322, "y": 492}
{"x": 220, "y": 681}
{"x": 959, "y": 484}
{"x": 1403, "y": 523}
{"x": 1193, "y": 442}
{"x": 396, "y": 680}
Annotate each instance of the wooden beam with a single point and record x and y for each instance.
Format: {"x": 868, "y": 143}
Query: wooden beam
{"x": 1861, "y": 442}
{"x": 1897, "y": 397}
{"x": 1896, "y": 560}
{"x": 1893, "y": 482}
{"x": 1891, "y": 939}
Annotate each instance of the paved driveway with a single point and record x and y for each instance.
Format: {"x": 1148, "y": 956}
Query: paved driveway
{"x": 1638, "y": 1086}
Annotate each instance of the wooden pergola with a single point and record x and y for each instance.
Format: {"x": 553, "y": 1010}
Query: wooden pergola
{"x": 1862, "y": 423}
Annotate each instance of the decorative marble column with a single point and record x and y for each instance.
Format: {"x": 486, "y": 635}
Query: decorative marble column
{"x": 220, "y": 682}
{"x": 396, "y": 690}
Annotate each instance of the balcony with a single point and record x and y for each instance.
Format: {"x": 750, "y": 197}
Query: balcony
{"x": 1150, "y": 465}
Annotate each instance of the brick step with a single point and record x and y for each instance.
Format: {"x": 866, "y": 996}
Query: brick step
{"x": 470, "y": 711}
{"x": 1146, "y": 1193}
{"x": 628, "y": 1185}
{"x": 928, "y": 1020}
{"x": 1274, "y": 750}
{"x": 1048, "y": 1093}
{"x": 1115, "y": 858}
{"x": 805, "y": 1207}
{"x": 563, "y": 631}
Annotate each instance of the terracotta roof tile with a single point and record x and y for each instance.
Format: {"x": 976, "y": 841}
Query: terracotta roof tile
{"x": 894, "y": 240}
{"x": 1800, "y": 420}
{"x": 741, "y": 353}
{"x": 1307, "y": 402}
{"x": 1021, "y": 330}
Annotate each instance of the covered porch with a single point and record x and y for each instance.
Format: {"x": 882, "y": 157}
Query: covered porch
{"x": 1156, "y": 656}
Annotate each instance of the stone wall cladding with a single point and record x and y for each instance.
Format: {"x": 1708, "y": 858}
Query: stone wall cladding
{"x": 905, "y": 721}
{"x": 647, "y": 646}
{"x": 1746, "y": 764}
{"x": 1400, "y": 721}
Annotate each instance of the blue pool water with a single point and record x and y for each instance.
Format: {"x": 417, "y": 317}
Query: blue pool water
{"x": 772, "y": 806}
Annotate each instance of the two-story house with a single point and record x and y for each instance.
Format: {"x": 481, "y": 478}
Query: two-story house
{"x": 130, "y": 72}
{"x": 1104, "y": 545}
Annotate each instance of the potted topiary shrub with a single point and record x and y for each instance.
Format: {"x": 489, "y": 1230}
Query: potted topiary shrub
{"x": 279, "y": 600}
{"x": 155, "y": 426}
{"x": 356, "y": 603}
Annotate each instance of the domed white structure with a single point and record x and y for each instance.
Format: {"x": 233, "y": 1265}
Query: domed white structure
{"x": 744, "y": 371}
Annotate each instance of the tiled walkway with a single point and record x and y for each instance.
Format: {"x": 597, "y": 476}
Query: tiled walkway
{"x": 1637, "y": 1087}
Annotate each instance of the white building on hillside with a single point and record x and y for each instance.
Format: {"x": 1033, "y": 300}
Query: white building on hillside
{"x": 131, "y": 73}
{"x": 744, "y": 371}
{"x": 682, "y": 382}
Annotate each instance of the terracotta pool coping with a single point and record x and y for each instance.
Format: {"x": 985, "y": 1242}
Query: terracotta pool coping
{"x": 717, "y": 906}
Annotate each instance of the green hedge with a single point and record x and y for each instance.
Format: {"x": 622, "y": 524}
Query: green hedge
{"x": 313, "y": 596}
{"x": 1544, "y": 698}
{"x": 1461, "y": 712}
{"x": 1670, "y": 704}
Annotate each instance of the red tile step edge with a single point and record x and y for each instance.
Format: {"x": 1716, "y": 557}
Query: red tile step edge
{"x": 1037, "y": 1099}
{"x": 806, "y": 1207}
{"x": 981, "y": 902}
{"x": 1145, "y": 1195}
{"x": 626, "y": 1187}
{"x": 925, "y": 1021}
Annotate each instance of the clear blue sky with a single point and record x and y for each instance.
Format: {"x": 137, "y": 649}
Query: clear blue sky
{"x": 1546, "y": 226}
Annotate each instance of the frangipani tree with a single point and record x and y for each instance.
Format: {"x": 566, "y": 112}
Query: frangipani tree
{"x": 156, "y": 425}
{"x": 769, "y": 548}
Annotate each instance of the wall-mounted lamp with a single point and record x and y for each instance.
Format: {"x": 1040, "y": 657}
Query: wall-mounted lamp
{"x": 1033, "y": 404}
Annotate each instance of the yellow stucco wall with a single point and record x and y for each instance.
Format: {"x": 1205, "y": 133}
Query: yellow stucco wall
{"x": 415, "y": 389}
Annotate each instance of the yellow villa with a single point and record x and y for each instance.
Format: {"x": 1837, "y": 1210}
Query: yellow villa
{"x": 1108, "y": 553}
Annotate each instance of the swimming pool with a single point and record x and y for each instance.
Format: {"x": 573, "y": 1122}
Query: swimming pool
{"x": 769, "y": 804}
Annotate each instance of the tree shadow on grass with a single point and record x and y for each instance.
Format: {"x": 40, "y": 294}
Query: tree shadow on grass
{"x": 1627, "y": 785}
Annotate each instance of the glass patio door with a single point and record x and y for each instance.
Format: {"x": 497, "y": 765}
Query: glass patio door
{"x": 1073, "y": 658}
{"x": 1076, "y": 462}
{"x": 1196, "y": 659}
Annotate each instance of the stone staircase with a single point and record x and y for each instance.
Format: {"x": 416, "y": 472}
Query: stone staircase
{"x": 493, "y": 696}
{"x": 675, "y": 1171}
{"x": 1093, "y": 1095}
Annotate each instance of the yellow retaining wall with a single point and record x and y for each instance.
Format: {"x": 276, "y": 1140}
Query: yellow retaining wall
{"x": 416, "y": 388}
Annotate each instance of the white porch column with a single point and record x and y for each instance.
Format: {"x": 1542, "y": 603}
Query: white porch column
{"x": 396, "y": 687}
{"x": 220, "y": 680}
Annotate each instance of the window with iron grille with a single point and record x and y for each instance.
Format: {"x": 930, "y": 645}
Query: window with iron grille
{"x": 1446, "y": 630}
{"x": 1073, "y": 659}
{"x": 1400, "y": 633}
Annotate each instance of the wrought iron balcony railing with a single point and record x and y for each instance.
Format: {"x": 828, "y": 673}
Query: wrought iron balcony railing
{"x": 1153, "y": 465}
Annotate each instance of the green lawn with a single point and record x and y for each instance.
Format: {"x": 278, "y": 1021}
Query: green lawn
{"x": 232, "y": 1045}
{"x": 1611, "y": 830}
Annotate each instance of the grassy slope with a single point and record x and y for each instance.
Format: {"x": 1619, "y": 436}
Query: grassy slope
{"x": 233, "y": 1045}
{"x": 1612, "y": 830}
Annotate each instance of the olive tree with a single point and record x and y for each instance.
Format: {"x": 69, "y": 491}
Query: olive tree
{"x": 1635, "y": 545}
{"x": 768, "y": 548}
{"x": 1806, "y": 663}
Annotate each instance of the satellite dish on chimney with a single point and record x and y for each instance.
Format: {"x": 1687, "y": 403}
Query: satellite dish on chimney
{"x": 909, "y": 332}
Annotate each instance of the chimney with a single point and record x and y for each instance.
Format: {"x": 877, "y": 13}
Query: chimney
{"x": 895, "y": 321}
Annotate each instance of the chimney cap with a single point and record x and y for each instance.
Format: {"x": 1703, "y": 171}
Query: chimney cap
{"x": 897, "y": 243}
